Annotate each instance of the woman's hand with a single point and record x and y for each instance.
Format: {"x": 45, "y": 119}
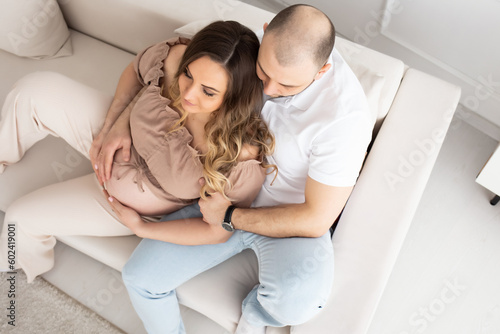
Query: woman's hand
{"x": 127, "y": 216}
{"x": 106, "y": 144}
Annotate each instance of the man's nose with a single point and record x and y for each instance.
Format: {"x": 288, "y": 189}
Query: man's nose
{"x": 271, "y": 88}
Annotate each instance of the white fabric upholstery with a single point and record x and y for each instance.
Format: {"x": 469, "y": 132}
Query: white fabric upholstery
{"x": 34, "y": 28}
{"x": 149, "y": 21}
{"x": 371, "y": 67}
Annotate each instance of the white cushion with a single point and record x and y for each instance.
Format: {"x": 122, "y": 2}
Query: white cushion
{"x": 190, "y": 29}
{"x": 251, "y": 20}
{"x": 372, "y": 83}
{"x": 370, "y": 67}
{"x": 134, "y": 25}
{"x": 34, "y": 28}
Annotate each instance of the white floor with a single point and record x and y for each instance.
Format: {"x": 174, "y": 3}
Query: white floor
{"x": 447, "y": 276}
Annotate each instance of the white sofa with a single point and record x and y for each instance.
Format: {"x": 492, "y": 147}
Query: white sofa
{"x": 412, "y": 111}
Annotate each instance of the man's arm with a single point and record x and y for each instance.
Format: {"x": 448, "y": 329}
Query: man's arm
{"x": 312, "y": 218}
{"x": 127, "y": 88}
{"x": 188, "y": 231}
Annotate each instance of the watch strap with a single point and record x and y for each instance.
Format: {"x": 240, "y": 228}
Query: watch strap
{"x": 229, "y": 214}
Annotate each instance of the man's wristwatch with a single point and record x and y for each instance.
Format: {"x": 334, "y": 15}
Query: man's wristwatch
{"x": 226, "y": 223}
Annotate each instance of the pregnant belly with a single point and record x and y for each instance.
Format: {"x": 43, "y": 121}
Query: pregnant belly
{"x": 124, "y": 186}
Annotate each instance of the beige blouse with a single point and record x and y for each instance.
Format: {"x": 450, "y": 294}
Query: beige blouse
{"x": 164, "y": 161}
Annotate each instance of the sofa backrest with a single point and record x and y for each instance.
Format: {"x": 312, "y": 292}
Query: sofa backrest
{"x": 133, "y": 25}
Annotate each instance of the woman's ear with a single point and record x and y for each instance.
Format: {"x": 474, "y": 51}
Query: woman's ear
{"x": 322, "y": 71}
{"x": 265, "y": 26}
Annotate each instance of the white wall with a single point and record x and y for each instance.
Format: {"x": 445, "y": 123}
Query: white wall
{"x": 456, "y": 40}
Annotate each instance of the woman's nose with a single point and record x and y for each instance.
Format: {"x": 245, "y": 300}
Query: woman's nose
{"x": 189, "y": 92}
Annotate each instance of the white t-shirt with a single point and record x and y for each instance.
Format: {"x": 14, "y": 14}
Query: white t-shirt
{"x": 322, "y": 132}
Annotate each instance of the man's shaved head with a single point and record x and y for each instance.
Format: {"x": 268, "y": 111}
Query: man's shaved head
{"x": 301, "y": 32}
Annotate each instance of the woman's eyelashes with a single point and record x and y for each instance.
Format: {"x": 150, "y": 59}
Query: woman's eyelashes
{"x": 188, "y": 75}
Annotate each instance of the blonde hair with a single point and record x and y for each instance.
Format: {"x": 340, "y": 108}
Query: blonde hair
{"x": 237, "y": 121}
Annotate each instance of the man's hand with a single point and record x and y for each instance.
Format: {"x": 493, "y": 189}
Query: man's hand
{"x": 213, "y": 208}
{"x": 106, "y": 144}
{"x": 127, "y": 216}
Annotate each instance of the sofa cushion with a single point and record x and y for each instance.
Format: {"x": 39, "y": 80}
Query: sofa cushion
{"x": 34, "y": 28}
{"x": 150, "y": 21}
{"x": 370, "y": 67}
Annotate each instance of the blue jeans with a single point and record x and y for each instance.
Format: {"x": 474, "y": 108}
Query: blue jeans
{"x": 295, "y": 276}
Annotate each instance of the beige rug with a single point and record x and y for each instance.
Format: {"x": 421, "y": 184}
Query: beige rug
{"x": 41, "y": 308}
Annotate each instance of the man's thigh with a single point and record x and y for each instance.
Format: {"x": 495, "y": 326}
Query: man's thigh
{"x": 294, "y": 270}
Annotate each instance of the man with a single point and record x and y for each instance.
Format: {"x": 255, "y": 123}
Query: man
{"x": 317, "y": 110}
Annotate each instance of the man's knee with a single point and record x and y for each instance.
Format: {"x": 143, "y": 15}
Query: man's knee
{"x": 143, "y": 274}
{"x": 137, "y": 275}
{"x": 300, "y": 294}
{"x": 295, "y": 308}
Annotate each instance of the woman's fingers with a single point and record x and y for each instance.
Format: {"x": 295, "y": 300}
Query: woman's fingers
{"x": 115, "y": 205}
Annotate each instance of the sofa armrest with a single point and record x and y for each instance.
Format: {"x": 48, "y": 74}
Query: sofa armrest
{"x": 378, "y": 214}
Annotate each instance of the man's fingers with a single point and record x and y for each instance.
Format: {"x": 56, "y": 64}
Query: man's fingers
{"x": 108, "y": 164}
{"x": 126, "y": 151}
{"x": 100, "y": 165}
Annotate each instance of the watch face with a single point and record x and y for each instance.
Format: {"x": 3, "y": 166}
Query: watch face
{"x": 228, "y": 226}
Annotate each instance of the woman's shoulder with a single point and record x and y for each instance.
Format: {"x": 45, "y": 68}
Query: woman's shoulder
{"x": 248, "y": 152}
{"x": 173, "y": 59}
{"x": 150, "y": 63}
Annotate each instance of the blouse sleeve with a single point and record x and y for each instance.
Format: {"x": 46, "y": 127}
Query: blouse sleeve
{"x": 246, "y": 181}
{"x": 148, "y": 64}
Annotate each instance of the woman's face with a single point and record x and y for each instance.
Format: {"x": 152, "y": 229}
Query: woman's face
{"x": 202, "y": 86}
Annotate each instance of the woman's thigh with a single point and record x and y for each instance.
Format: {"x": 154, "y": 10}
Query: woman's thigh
{"x": 73, "y": 207}
{"x": 51, "y": 103}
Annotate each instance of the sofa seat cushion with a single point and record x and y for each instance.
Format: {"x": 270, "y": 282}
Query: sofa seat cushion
{"x": 93, "y": 63}
{"x": 112, "y": 251}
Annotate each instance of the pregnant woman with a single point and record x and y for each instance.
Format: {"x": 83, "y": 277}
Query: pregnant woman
{"x": 182, "y": 111}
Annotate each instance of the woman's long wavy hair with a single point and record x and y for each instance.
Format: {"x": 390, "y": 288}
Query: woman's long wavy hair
{"x": 237, "y": 121}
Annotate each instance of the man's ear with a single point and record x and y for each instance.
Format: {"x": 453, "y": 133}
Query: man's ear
{"x": 322, "y": 71}
{"x": 265, "y": 26}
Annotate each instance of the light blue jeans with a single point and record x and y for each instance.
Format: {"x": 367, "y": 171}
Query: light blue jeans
{"x": 295, "y": 276}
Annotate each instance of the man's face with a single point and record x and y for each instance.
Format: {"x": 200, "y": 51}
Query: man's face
{"x": 279, "y": 80}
